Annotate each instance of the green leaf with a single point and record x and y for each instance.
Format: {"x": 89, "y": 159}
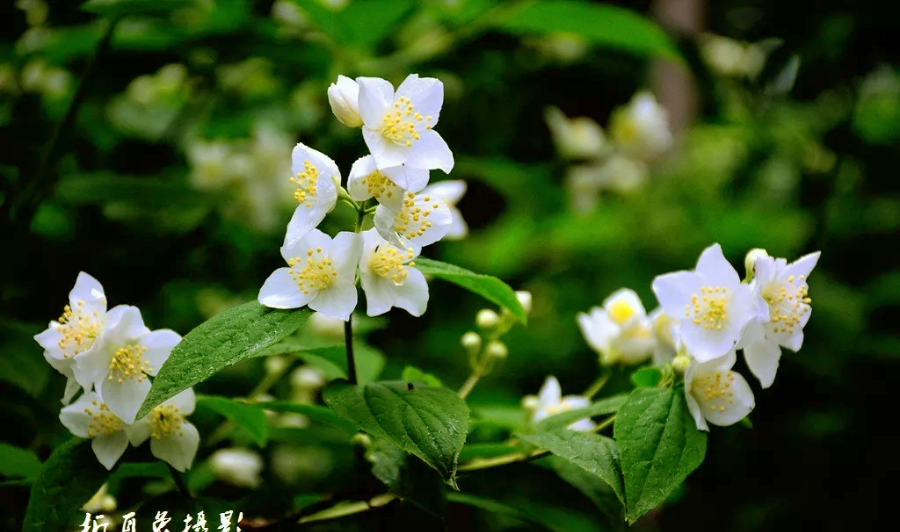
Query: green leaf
{"x": 117, "y": 8}
{"x": 603, "y": 25}
{"x": 232, "y": 336}
{"x": 594, "y": 453}
{"x": 660, "y": 446}
{"x": 608, "y": 405}
{"x": 360, "y": 23}
{"x": 21, "y": 363}
{"x": 137, "y": 470}
{"x": 407, "y": 477}
{"x": 413, "y": 374}
{"x": 104, "y": 187}
{"x": 69, "y": 478}
{"x": 18, "y": 462}
{"x": 493, "y": 506}
{"x": 477, "y": 451}
{"x": 430, "y": 423}
{"x": 594, "y": 488}
{"x": 314, "y": 412}
{"x": 332, "y": 360}
{"x": 251, "y": 418}
{"x": 646, "y": 377}
{"x": 488, "y": 287}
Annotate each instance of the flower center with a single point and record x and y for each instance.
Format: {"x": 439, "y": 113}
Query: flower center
{"x": 127, "y": 363}
{"x": 620, "y": 312}
{"x": 627, "y": 131}
{"x": 411, "y": 221}
{"x": 165, "y": 421}
{"x": 103, "y": 422}
{"x": 557, "y": 408}
{"x": 79, "y": 327}
{"x": 317, "y": 271}
{"x": 709, "y": 308}
{"x": 388, "y": 263}
{"x": 306, "y": 184}
{"x": 377, "y": 184}
{"x": 714, "y": 389}
{"x": 401, "y": 125}
{"x": 788, "y": 303}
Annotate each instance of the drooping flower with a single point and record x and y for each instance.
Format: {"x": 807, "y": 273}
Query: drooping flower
{"x": 389, "y": 277}
{"x": 451, "y": 192}
{"x": 127, "y": 353}
{"x": 320, "y": 274}
{"x": 76, "y": 332}
{"x": 716, "y": 394}
{"x": 238, "y": 467}
{"x": 316, "y": 177}
{"x": 343, "y": 97}
{"x": 619, "y": 331}
{"x": 398, "y": 127}
{"x": 422, "y": 219}
{"x": 575, "y": 138}
{"x": 388, "y": 186}
{"x": 173, "y": 439}
{"x": 550, "y": 401}
{"x": 90, "y": 417}
{"x": 641, "y": 128}
{"x": 783, "y": 289}
{"x": 712, "y": 303}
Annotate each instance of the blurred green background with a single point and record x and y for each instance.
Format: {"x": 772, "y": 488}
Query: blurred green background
{"x": 170, "y": 186}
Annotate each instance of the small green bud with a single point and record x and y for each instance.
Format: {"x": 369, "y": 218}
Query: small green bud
{"x": 681, "y": 363}
{"x": 496, "y": 349}
{"x": 750, "y": 262}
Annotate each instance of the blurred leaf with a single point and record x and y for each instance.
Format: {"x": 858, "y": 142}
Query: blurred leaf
{"x": 877, "y": 118}
{"x": 496, "y": 507}
{"x": 136, "y": 470}
{"x": 359, "y": 23}
{"x": 18, "y": 462}
{"x": 412, "y": 374}
{"x": 21, "y": 361}
{"x": 603, "y": 25}
{"x": 594, "y": 488}
{"x": 607, "y": 405}
{"x": 594, "y": 453}
{"x": 251, "y": 418}
{"x": 488, "y": 287}
{"x": 69, "y": 478}
{"x": 332, "y": 360}
{"x": 314, "y": 412}
{"x": 646, "y": 377}
{"x": 104, "y": 187}
{"x": 475, "y": 451}
{"x": 232, "y": 336}
{"x": 430, "y": 423}
{"x": 407, "y": 477}
{"x": 660, "y": 446}
{"x": 118, "y": 8}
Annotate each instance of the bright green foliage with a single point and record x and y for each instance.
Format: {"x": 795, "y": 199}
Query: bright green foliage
{"x": 646, "y": 377}
{"x": 411, "y": 374}
{"x": 251, "y": 418}
{"x": 488, "y": 287}
{"x": 18, "y": 462}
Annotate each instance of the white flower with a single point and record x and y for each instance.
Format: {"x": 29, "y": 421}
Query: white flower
{"x": 620, "y": 331}
{"x": 344, "y": 100}
{"x": 550, "y": 401}
{"x": 214, "y": 164}
{"x": 320, "y": 274}
{"x": 716, "y": 394}
{"x": 451, "y": 192}
{"x": 642, "y": 127}
{"x": 76, "y": 331}
{"x": 666, "y": 330}
{"x": 89, "y": 417}
{"x": 783, "y": 288}
{"x": 172, "y": 438}
{"x": 387, "y": 185}
{"x": 238, "y": 467}
{"x": 398, "y": 127}
{"x": 729, "y": 57}
{"x": 125, "y": 355}
{"x": 389, "y": 277}
{"x": 575, "y": 138}
{"x": 422, "y": 219}
{"x": 713, "y": 305}
{"x": 315, "y": 175}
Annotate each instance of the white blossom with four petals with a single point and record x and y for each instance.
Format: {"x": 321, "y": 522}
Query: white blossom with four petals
{"x": 641, "y": 128}
{"x": 716, "y": 394}
{"x": 320, "y": 274}
{"x": 619, "y": 331}
{"x": 90, "y": 417}
{"x": 316, "y": 177}
{"x": 388, "y": 185}
{"x": 173, "y": 439}
{"x": 389, "y": 277}
{"x": 550, "y": 401}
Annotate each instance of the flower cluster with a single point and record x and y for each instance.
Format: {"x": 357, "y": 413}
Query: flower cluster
{"x": 391, "y": 183}
{"x": 639, "y": 133}
{"x": 110, "y": 355}
{"x": 705, "y": 316}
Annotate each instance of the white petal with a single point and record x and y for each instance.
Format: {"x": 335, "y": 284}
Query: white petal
{"x": 139, "y": 432}
{"x": 694, "y": 409}
{"x": 387, "y": 154}
{"x": 184, "y": 402}
{"x": 72, "y": 387}
{"x": 430, "y": 152}
{"x": 90, "y": 291}
{"x": 304, "y": 220}
{"x": 458, "y": 228}
{"x": 384, "y": 225}
{"x": 762, "y": 359}
{"x": 123, "y": 326}
{"x": 416, "y": 179}
{"x": 326, "y": 166}
{"x": 74, "y": 418}
{"x": 583, "y": 425}
{"x": 574, "y": 402}
{"x": 375, "y": 98}
{"x": 743, "y": 404}
{"x": 598, "y": 329}
{"x": 426, "y": 95}
{"x": 159, "y": 346}
{"x": 344, "y": 254}
{"x": 674, "y": 291}
{"x": 62, "y": 365}
{"x": 109, "y": 448}
{"x": 707, "y": 344}
{"x": 281, "y": 291}
{"x": 379, "y": 294}
{"x": 124, "y": 398}
{"x": 49, "y": 340}
{"x": 179, "y": 449}
{"x": 715, "y": 269}
{"x": 294, "y": 248}
{"x": 793, "y": 342}
{"x": 360, "y": 169}
{"x": 450, "y": 191}
{"x": 804, "y": 265}
{"x": 625, "y": 301}
{"x": 550, "y": 394}
{"x": 93, "y": 365}
{"x": 412, "y": 295}
{"x": 337, "y": 301}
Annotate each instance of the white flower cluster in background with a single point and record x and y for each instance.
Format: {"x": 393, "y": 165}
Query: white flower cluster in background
{"x": 391, "y": 184}
{"x": 110, "y": 356}
{"x": 638, "y": 134}
{"x": 705, "y": 316}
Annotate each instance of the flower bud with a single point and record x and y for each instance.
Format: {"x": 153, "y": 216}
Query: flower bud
{"x": 487, "y": 319}
{"x": 100, "y": 502}
{"x": 530, "y": 403}
{"x": 276, "y": 364}
{"x": 362, "y": 439}
{"x": 344, "y": 100}
{"x": 238, "y": 467}
{"x": 681, "y": 363}
{"x": 471, "y": 342}
{"x": 524, "y": 300}
{"x": 750, "y": 261}
{"x": 496, "y": 349}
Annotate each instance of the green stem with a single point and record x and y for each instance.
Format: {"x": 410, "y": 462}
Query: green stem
{"x": 351, "y": 361}
{"x": 597, "y": 385}
{"x": 345, "y": 508}
{"x": 469, "y": 384}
